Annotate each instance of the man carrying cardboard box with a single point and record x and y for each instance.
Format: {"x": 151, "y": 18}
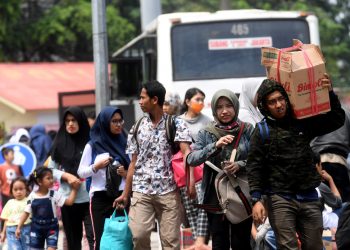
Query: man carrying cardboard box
{"x": 280, "y": 165}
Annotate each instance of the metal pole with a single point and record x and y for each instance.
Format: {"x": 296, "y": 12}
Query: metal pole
{"x": 150, "y": 9}
{"x": 224, "y": 5}
{"x": 99, "y": 36}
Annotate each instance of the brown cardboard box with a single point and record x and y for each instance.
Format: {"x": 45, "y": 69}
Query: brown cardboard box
{"x": 299, "y": 69}
{"x": 329, "y": 239}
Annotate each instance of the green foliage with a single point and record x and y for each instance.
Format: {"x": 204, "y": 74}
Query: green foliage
{"x": 119, "y": 30}
{"x": 63, "y": 32}
{"x": 10, "y": 12}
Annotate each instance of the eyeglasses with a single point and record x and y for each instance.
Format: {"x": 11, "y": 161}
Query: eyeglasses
{"x": 273, "y": 102}
{"x": 117, "y": 122}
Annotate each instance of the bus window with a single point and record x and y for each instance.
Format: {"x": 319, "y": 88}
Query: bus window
{"x": 229, "y": 49}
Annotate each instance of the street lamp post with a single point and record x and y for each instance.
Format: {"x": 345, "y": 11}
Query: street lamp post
{"x": 99, "y": 34}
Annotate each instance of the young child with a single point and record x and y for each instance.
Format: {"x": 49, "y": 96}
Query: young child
{"x": 8, "y": 172}
{"x": 42, "y": 205}
{"x": 11, "y": 214}
{"x": 329, "y": 195}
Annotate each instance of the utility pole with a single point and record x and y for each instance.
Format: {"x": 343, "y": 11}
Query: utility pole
{"x": 224, "y": 5}
{"x": 150, "y": 9}
{"x": 99, "y": 35}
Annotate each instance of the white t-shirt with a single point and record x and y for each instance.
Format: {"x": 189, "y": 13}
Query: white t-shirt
{"x": 57, "y": 200}
{"x": 98, "y": 181}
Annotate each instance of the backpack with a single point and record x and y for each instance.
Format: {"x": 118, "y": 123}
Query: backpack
{"x": 170, "y": 131}
{"x": 264, "y": 131}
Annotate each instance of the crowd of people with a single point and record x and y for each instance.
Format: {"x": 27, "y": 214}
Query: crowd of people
{"x": 296, "y": 169}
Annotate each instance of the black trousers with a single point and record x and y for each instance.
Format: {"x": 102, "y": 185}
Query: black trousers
{"x": 73, "y": 218}
{"x": 101, "y": 208}
{"x": 226, "y": 235}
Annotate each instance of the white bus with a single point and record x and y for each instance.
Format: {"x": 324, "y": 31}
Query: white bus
{"x": 210, "y": 51}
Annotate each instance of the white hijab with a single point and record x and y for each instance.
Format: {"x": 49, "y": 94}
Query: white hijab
{"x": 247, "y": 111}
{"x": 21, "y": 132}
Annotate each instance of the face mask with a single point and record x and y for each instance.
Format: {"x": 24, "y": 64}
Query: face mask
{"x": 197, "y": 107}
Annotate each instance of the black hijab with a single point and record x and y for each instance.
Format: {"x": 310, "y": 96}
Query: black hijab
{"x": 68, "y": 148}
{"x": 103, "y": 140}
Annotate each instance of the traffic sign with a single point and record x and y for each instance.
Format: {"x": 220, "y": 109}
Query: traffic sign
{"x": 24, "y": 157}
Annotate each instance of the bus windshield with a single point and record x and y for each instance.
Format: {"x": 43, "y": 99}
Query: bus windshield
{"x": 230, "y": 49}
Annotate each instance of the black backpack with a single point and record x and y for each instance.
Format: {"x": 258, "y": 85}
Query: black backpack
{"x": 170, "y": 131}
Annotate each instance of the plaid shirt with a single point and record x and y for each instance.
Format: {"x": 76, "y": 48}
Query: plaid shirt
{"x": 153, "y": 172}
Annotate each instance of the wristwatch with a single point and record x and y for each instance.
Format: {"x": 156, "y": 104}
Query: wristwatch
{"x": 255, "y": 200}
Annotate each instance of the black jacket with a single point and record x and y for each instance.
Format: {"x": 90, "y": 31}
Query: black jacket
{"x": 283, "y": 163}
{"x": 336, "y": 142}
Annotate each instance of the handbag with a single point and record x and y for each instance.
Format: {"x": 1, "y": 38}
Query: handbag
{"x": 233, "y": 191}
{"x": 233, "y": 195}
{"x": 116, "y": 233}
{"x": 181, "y": 174}
{"x": 112, "y": 179}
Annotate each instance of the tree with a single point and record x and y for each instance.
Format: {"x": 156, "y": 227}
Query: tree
{"x": 62, "y": 33}
{"x": 10, "y": 13}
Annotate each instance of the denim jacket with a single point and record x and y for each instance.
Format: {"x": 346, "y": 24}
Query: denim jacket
{"x": 204, "y": 149}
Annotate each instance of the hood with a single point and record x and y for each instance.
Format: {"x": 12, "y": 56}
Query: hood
{"x": 267, "y": 87}
{"x": 229, "y": 95}
{"x": 21, "y": 135}
{"x": 37, "y": 130}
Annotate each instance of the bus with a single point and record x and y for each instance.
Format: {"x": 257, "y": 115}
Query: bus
{"x": 211, "y": 51}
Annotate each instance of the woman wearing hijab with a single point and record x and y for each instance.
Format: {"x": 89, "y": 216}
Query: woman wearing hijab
{"x": 40, "y": 143}
{"x": 215, "y": 143}
{"x": 107, "y": 144}
{"x": 22, "y": 136}
{"x": 172, "y": 103}
{"x": 66, "y": 153}
{"x": 248, "y": 111}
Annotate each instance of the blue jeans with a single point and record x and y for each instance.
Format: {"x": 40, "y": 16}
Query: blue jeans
{"x": 18, "y": 244}
{"x": 44, "y": 232}
{"x": 289, "y": 217}
{"x": 270, "y": 240}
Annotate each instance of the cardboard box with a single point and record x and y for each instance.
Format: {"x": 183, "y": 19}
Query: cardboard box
{"x": 299, "y": 69}
{"x": 329, "y": 239}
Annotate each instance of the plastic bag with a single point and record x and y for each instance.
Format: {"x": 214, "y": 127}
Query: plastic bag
{"x": 116, "y": 233}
